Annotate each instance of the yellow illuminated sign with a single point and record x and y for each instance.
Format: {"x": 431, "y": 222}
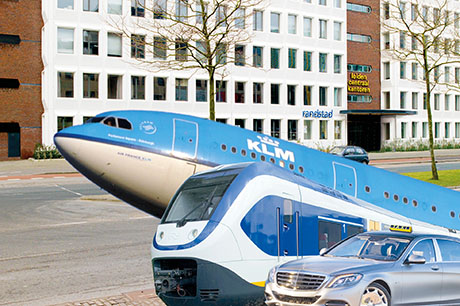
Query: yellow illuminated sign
{"x": 358, "y": 83}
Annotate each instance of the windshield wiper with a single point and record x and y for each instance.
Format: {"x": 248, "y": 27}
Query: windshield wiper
{"x": 184, "y": 220}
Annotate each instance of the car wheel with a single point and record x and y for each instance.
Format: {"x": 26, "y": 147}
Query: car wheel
{"x": 375, "y": 295}
{"x": 366, "y": 162}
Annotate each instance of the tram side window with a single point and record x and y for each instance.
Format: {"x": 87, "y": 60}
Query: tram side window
{"x": 329, "y": 234}
{"x": 352, "y": 229}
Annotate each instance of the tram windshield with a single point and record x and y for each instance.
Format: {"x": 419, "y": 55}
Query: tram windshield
{"x": 197, "y": 199}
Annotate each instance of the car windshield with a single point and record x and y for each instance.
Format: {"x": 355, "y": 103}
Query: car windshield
{"x": 337, "y": 150}
{"x": 197, "y": 199}
{"x": 377, "y": 247}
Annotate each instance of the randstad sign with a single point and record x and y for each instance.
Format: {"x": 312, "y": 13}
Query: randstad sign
{"x": 317, "y": 114}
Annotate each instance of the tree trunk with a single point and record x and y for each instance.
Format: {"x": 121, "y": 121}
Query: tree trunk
{"x": 212, "y": 96}
{"x": 434, "y": 170}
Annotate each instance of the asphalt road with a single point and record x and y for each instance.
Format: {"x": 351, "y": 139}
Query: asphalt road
{"x": 60, "y": 242}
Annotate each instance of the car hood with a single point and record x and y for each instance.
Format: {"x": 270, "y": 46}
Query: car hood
{"x": 334, "y": 265}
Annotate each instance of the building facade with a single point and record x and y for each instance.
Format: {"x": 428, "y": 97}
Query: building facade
{"x": 291, "y": 83}
{"x": 20, "y": 78}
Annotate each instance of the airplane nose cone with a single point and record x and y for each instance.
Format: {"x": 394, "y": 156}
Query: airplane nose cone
{"x": 67, "y": 146}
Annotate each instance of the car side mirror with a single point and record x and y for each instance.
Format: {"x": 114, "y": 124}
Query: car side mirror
{"x": 322, "y": 251}
{"x": 415, "y": 259}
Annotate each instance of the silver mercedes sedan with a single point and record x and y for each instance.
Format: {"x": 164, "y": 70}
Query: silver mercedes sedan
{"x": 372, "y": 268}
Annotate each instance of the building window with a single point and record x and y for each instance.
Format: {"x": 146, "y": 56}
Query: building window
{"x": 424, "y": 129}
{"x": 437, "y": 103}
{"x": 240, "y": 55}
{"x": 201, "y": 90}
{"x": 114, "y": 7}
{"x": 275, "y": 93}
{"x": 322, "y": 62}
{"x": 447, "y": 74}
{"x": 338, "y": 3}
{"x": 159, "y": 48}
{"x": 257, "y": 125}
{"x": 361, "y": 98}
{"x": 291, "y": 89}
{"x": 239, "y": 92}
{"x": 240, "y": 15}
{"x": 64, "y": 122}
{"x": 307, "y": 26}
{"x": 386, "y": 40}
{"x": 275, "y": 128}
{"x": 337, "y": 63}
{"x": 65, "y": 84}
{"x": 403, "y": 129}
{"x": 90, "y": 85}
{"x": 240, "y": 123}
{"x": 386, "y": 70}
{"x": 91, "y": 5}
{"x": 159, "y": 9}
{"x": 402, "y": 99}
{"x": 181, "y": 10}
{"x": 402, "y": 10}
{"x": 337, "y": 96}
{"x": 359, "y": 68}
{"x": 159, "y": 88}
{"x": 386, "y": 10}
{"x": 274, "y": 22}
{"x": 413, "y": 11}
{"x": 414, "y": 71}
{"x": 307, "y": 129}
{"x": 424, "y": 101}
{"x": 90, "y": 42}
{"x": 114, "y": 86}
{"x": 307, "y": 95}
{"x": 221, "y": 16}
{"x": 292, "y": 24}
{"x": 457, "y": 103}
{"x": 323, "y": 129}
{"x": 437, "y": 129}
{"x": 323, "y": 29}
{"x": 414, "y": 129}
{"x": 65, "y": 4}
{"x": 446, "y": 129}
{"x": 65, "y": 40}
{"x": 457, "y": 129}
{"x": 358, "y": 8}
{"x": 137, "y": 8}
{"x": 402, "y": 39}
{"x": 446, "y": 102}
{"x": 114, "y": 44}
{"x": 292, "y": 129}
{"x": 337, "y": 129}
{"x": 257, "y": 92}
{"x": 359, "y": 38}
{"x": 414, "y": 43}
{"x": 181, "y": 89}
{"x": 322, "y": 96}
{"x": 137, "y": 46}
{"x": 402, "y": 70}
{"x": 258, "y": 21}
{"x": 274, "y": 58}
{"x": 257, "y": 56}
{"x": 322, "y": 2}
{"x": 181, "y": 50}
{"x": 337, "y": 30}
{"x": 415, "y": 100}
{"x": 307, "y": 57}
{"x": 292, "y": 58}
{"x": 221, "y": 91}
{"x": 221, "y": 53}
{"x": 138, "y": 87}
{"x": 387, "y": 100}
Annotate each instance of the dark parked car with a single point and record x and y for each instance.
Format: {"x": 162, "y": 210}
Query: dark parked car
{"x": 351, "y": 152}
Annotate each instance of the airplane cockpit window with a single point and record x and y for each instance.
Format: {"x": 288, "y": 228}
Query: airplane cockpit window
{"x": 95, "y": 120}
{"x": 124, "y": 124}
{"x": 110, "y": 121}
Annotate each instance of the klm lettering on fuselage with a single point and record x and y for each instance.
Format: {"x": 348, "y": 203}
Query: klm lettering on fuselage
{"x": 270, "y": 147}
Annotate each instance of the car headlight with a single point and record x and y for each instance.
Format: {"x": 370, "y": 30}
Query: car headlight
{"x": 345, "y": 280}
{"x": 271, "y": 275}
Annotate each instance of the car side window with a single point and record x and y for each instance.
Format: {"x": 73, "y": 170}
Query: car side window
{"x": 450, "y": 250}
{"x": 359, "y": 151}
{"x": 425, "y": 248}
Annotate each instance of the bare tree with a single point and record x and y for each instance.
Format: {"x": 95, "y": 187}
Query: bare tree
{"x": 191, "y": 35}
{"x": 433, "y": 31}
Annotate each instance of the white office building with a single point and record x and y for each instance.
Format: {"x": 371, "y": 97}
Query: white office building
{"x": 290, "y": 83}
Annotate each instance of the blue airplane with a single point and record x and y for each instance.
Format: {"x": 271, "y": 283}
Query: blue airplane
{"x": 142, "y": 157}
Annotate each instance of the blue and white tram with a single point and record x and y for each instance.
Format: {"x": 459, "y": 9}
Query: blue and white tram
{"x": 225, "y": 228}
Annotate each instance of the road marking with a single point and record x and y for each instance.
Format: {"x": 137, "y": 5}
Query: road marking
{"x": 142, "y": 217}
{"x": 68, "y": 190}
{"x": 30, "y": 256}
{"x": 58, "y": 177}
{"x": 64, "y": 224}
{"x": 37, "y": 178}
{"x": 16, "y": 179}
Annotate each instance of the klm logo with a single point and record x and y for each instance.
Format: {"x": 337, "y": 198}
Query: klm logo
{"x": 270, "y": 147}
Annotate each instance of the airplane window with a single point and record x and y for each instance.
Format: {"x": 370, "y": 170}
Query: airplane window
{"x": 396, "y": 198}
{"x": 272, "y": 160}
{"x": 452, "y": 214}
{"x": 415, "y": 203}
{"x": 433, "y": 208}
{"x": 262, "y": 157}
{"x": 301, "y": 169}
{"x": 223, "y": 147}
{"x": 291, "y": 166}
{"x": 124, "y": 124}
{"x": 243, "y": 152}
{"x": 405, "y": 200}
{"x": 368, "y": 189}
{"x": 95, "y": 120}
{"x": 253, "y": 155}
{"x": 110, "y": 121}
{"x": 233, "y": 150}
{"x": 386, "y": 195}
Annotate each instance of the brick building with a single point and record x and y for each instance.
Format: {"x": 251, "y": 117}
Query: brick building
{"x": 20, "y": 78}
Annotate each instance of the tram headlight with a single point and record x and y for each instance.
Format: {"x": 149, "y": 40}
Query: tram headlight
{"x": 271, "y": 275}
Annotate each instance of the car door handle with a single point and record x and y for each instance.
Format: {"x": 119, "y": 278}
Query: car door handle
{"x": 435, "y": 268}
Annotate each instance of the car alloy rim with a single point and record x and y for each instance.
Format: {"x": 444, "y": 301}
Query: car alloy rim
{"x": 374, "y": 297}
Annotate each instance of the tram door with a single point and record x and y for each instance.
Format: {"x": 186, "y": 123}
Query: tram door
{"x": 288, "y": 229}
